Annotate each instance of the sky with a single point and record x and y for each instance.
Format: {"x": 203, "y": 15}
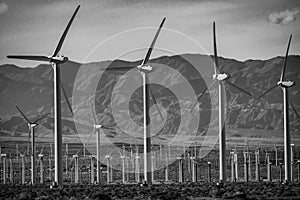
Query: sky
{"x": 246, "y": 29}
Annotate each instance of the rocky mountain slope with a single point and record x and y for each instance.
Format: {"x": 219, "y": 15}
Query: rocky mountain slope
{"x": 32, "y": 90}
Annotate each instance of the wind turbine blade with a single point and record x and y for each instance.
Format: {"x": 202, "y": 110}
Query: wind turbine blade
{"x": 67, "y": 149}
{"x": 17, "y": 149}
{"x": 28, "y": 140}
{"x": 20, "y": 111}
{"x": 266, "y": 92}
{"x": 240, "y": 89}
{"x": 293, "y": 107}
{"x": 155, "y": 102}
{"x": 146, "y": 59}
{"x": 204, "y": 91}
{"x": 118, "y": 68}
{"x": 90, "y": 136}
{"x": 61, "y": 41}
{"x": 78, "y": 152}
{"x": 107, "y": 128}
{"x": 41, "y": 152}
{"x": 195, "y": 104}
{"x": 285, "y": 59}
{"x": 216, "y": 63}
{"x": 42, "y": 117}
{"x": 94, "y": 115}
{"x": 66, "y": 98}
{"x": 37, "y": 58}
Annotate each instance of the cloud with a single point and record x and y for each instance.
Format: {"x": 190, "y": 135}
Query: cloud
{"x": 283, "y": 17}
{"x": 3, "y": 8}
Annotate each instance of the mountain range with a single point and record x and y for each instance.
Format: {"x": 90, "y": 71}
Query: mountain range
{"x": 32, "y": 90}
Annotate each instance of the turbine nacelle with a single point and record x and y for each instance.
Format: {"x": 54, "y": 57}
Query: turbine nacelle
{"x": 146, "y": 68}
{"x": 32, "y": 125}
{"x": 97, "y": 126}
{"x": 285, "y": 83}
{"x": 58, "y": 59}
{"x": 221, "y": 77}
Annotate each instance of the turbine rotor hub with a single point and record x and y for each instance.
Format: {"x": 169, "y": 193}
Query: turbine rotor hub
{"x": 285, "y": 84}
{"x": 59, "y": 59}
{"x": 32, "y": 125}
{"x": 221, "y": 77}
{"x": 97, "y": 126}
{"x": 146, "y": 68}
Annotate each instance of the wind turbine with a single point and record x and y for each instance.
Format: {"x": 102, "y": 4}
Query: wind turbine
{"x": 4, "y": 156}
{"x": 97, "y": 128}
{"x": 22, "y": 156}
{"x": 123, "y": 157}
{"x": 17, "y": 152}
{"x": 220, "y": 77}
{"x": 32, "y": 125}
{"x": 41, "y": 156}
{"x": 75, "y": 156}
{"x": 145, "y": 68}
{"x": 284, "y": 85}
{"x": 55, "y": 60}
{"x": 50, "y": 162}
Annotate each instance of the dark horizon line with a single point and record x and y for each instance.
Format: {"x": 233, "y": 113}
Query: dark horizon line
{"x": 133, "y": 61}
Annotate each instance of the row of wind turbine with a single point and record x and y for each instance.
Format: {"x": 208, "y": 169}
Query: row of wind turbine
{"x": 145, "y": 69}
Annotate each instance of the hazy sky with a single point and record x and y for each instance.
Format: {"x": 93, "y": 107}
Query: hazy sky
{"x": 247, "y": 29}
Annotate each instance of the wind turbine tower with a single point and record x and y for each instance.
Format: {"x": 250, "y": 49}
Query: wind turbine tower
{"x": 55, "y": 60}
{"x": 221, "y": 78}
{"x": 145, "y": 69}
{"x": 284, "y": 85}
{"x": 31, "y": 126}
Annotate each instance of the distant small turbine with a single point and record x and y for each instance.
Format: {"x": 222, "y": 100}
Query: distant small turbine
{"x": 32, "y": 125}
{"x": 97, "y": 128}
{"x": 41, "y": 156}
{"x": 76, "y": 168}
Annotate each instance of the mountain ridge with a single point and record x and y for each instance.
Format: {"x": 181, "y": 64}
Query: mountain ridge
{"x": 32, "y": 90}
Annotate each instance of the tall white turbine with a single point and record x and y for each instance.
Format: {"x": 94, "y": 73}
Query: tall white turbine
{"x": 284, "y": 85}
{"x": 145, "y": 68}
{"x": 32, "y": 125}
{"x": 55, "y": 60}
{"x": 221, "y": 78}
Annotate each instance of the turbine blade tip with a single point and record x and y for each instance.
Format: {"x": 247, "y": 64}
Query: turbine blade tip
{"x": 162, "y": 22}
